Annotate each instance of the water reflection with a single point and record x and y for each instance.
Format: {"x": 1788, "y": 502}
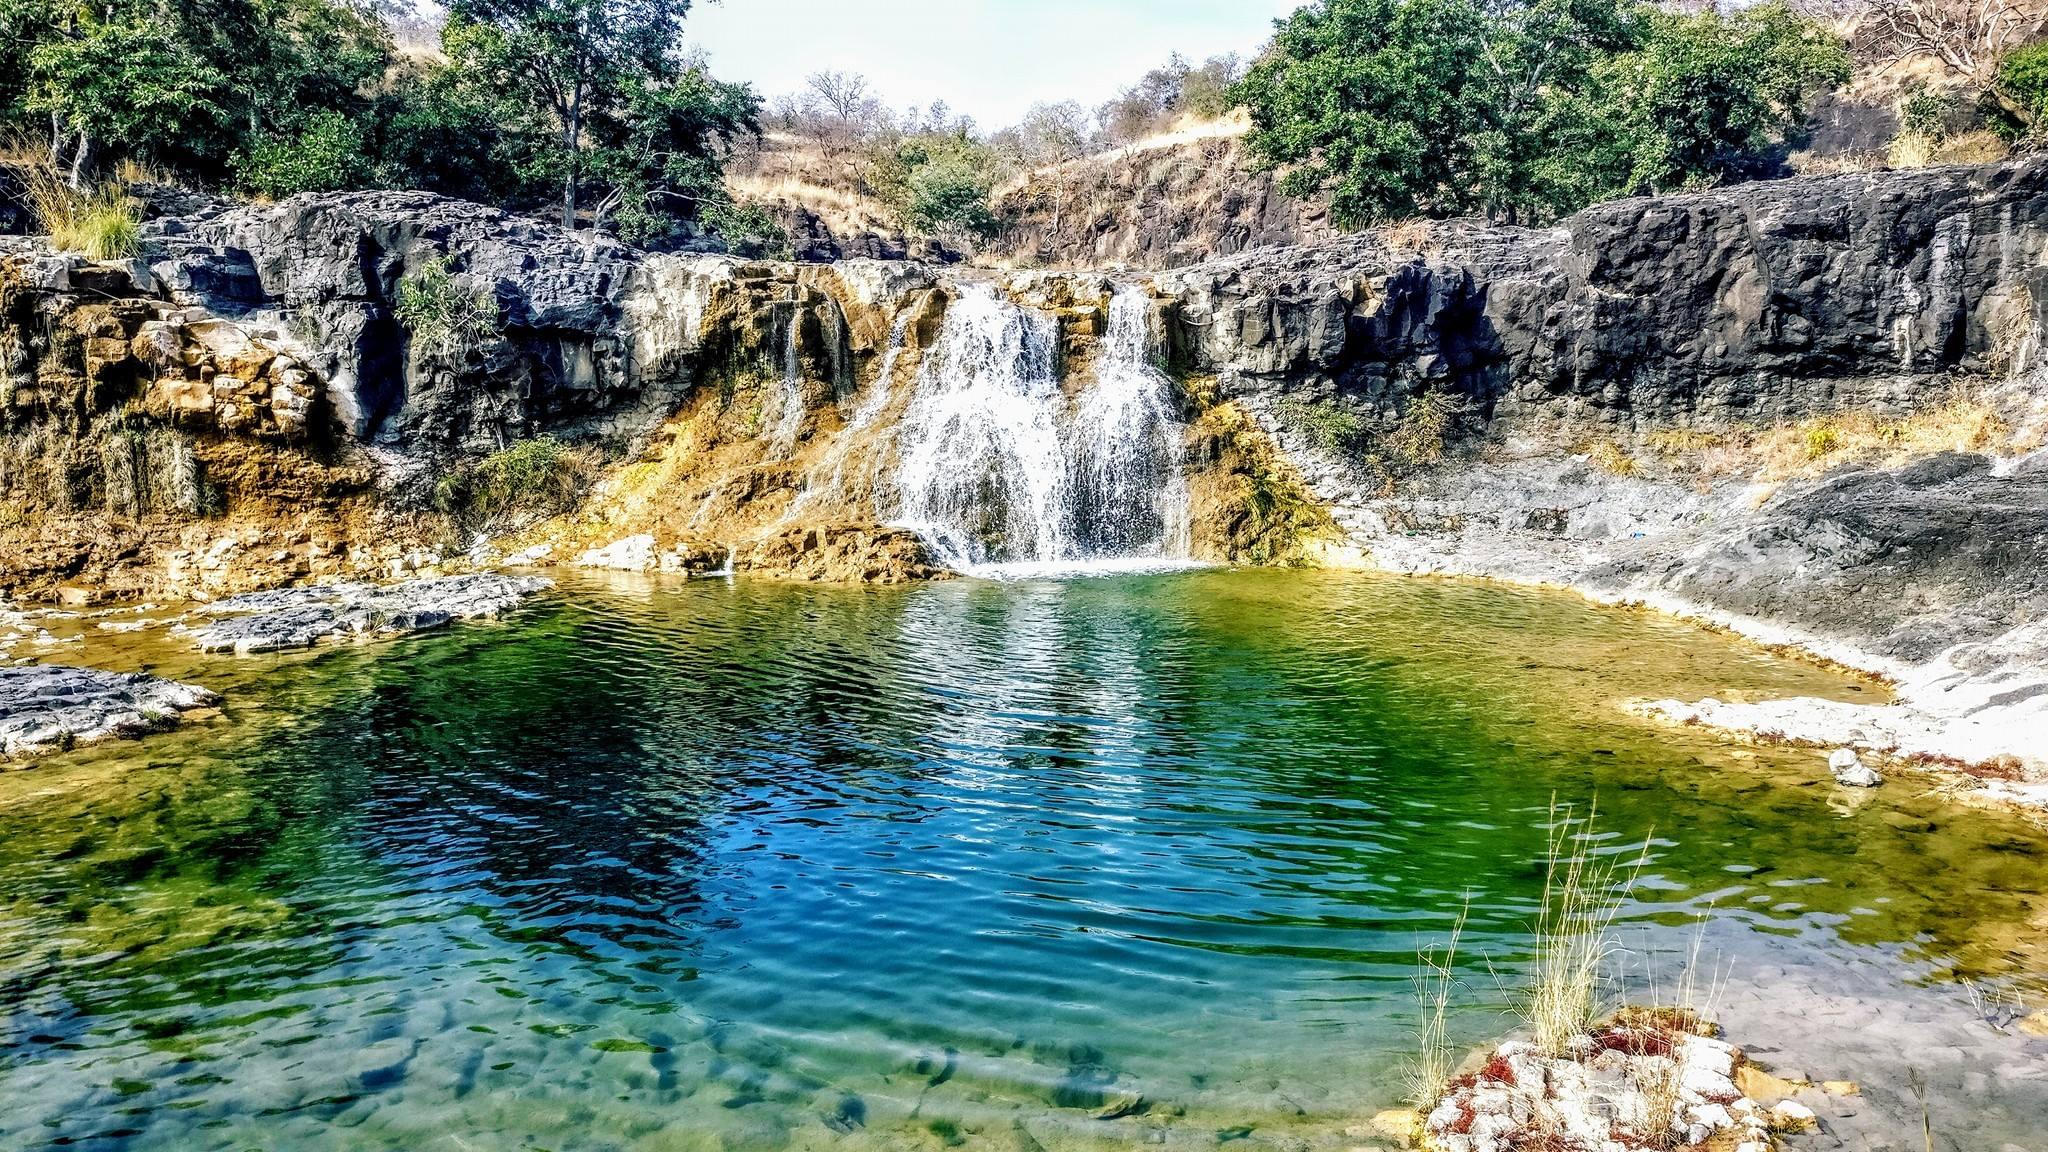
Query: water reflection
{"x": 731, "y": 864}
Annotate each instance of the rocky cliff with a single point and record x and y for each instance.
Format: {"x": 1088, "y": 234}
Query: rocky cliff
{"x": 1161, "y": 204}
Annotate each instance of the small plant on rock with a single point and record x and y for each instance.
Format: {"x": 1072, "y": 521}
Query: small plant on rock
{"x": 1435, "y": 979}
{"x": 444, "y": 318}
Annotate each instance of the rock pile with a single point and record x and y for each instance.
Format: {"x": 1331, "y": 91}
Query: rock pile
{"x": 1644, "y": 1079}
{"x": 48, "y": 707}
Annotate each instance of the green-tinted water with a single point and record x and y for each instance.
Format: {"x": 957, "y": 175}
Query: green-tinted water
{"x": 742, "y": 865}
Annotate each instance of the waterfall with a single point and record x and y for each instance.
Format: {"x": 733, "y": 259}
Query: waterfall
{"x": 790, "y": 405}
{"x": 1129, "y": 491}
{"x": 999, "y": 467}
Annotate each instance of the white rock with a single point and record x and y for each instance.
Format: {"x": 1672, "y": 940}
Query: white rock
{"x": 1792, "y": 1116}
{"x": 1860, "y": 776}
{"x": 1843, "y": 759}
{"x": 632, "y": 554}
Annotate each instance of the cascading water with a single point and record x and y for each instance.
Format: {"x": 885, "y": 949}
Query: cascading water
{"x": 998, "y": 467}
{"x": 1128, "y": 487}
{"x": 790, "y": 403}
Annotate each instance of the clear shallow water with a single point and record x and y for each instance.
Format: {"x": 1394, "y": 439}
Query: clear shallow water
{"x": 743, "y": 865}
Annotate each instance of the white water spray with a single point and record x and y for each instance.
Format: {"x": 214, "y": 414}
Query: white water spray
{"x": 999, "y": 470}
{"x": 1128, "y": 487}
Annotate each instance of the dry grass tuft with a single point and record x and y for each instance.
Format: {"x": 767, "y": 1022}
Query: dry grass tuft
{"x": 103, "y": 223}
{"x": 1612, "y": 458}
{"x": 1911, "y": 150}
{"x": 1919, "y": 150}
{"x": 1435, "y": 978}
{"x": 1412, "y": 237}
{"x": 1583, "y": 891}
{"x": 1960, "y": 423}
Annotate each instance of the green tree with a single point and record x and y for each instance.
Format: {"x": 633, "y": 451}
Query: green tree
{"x": 123, "y": 76}
{"x": 568, "y": 61}
{"x": 190, "y": 84}
{"x": 940, "y": 182}
{"x": 658, "y": 152}
{"x": 1535, "y": 54}
{"x": 1376, "y": 102}
{"x": 1527, "y": 108}
{"x": 1707, "y": 96}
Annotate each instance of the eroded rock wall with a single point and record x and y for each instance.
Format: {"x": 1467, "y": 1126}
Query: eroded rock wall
{"x": 1762, "y": 301}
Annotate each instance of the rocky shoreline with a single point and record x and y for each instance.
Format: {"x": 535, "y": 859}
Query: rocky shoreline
{"x": 50, "y": 708}
{"x": 1935, "y": 588}
{"x": 47, "y": 708}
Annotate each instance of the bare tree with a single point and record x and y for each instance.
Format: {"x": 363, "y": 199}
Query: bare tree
{"x": 1968, "y": 37}
{"x": 842, "y": 94}
{"x": 838, "y": 109}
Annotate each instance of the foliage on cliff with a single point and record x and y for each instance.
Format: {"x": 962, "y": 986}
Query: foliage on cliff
{"x": 1527, "y": 110}
{"x": 585, "y": 103}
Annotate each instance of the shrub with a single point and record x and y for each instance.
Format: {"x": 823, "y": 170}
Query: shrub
{"x": 327, "y": 155}
{"x": 444, "y": 318}
{"x": 531, "y": 480}
{"x": 748, "y": 229}
{"x": 1425, "y": 429}
{"x": 2023, "y": 77}
{"x": 1821, "y": 438}
{"x": 1334, "y": 428}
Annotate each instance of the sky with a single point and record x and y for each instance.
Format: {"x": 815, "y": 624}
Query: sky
{"x": 989, "y": 59}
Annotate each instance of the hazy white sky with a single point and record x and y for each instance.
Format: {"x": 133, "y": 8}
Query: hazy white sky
{"x": 990, "y": 59}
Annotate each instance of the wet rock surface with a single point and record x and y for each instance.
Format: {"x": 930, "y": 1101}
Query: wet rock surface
{"x": 301, "y": 617}
{"x": 49, "y": 707}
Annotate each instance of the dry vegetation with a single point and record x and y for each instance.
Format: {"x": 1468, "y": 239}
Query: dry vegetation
{"x": 103, "y": 223}
{"x": 1961, "y": 423}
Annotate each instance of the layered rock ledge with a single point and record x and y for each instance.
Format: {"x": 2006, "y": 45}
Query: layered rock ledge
{"x": 48, "y": 707}
{"x": 302, "y": 617}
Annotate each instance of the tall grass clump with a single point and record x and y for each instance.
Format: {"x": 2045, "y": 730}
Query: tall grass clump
{"x": 102, "y": 223}
{"x": 1583, "y": 892}
{"x": 1429, "y": 1073}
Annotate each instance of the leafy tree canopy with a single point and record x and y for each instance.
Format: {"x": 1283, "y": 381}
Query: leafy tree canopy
{"x": 1526, "y": 109}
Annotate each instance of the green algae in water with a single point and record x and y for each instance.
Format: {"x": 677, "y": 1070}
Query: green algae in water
{"x": 904, "y": 868}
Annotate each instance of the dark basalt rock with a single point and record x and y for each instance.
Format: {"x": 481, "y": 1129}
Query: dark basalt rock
{"x": 1761, "y": 301}
{"x": 45, "y": 707}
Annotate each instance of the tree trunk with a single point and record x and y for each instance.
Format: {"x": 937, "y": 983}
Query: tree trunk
{"x": 572, "y": 136}
{"x": 80, "y": 159}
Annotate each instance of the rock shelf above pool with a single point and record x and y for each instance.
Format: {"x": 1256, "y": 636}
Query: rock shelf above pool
{"x": 301, "y": 617}
{"x": 48, "y": 707}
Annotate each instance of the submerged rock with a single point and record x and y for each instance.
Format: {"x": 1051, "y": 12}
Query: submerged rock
{"x": 1850, "y": 770}
{"x": 301, "y": 617}
{"x": 48, "y": 707}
